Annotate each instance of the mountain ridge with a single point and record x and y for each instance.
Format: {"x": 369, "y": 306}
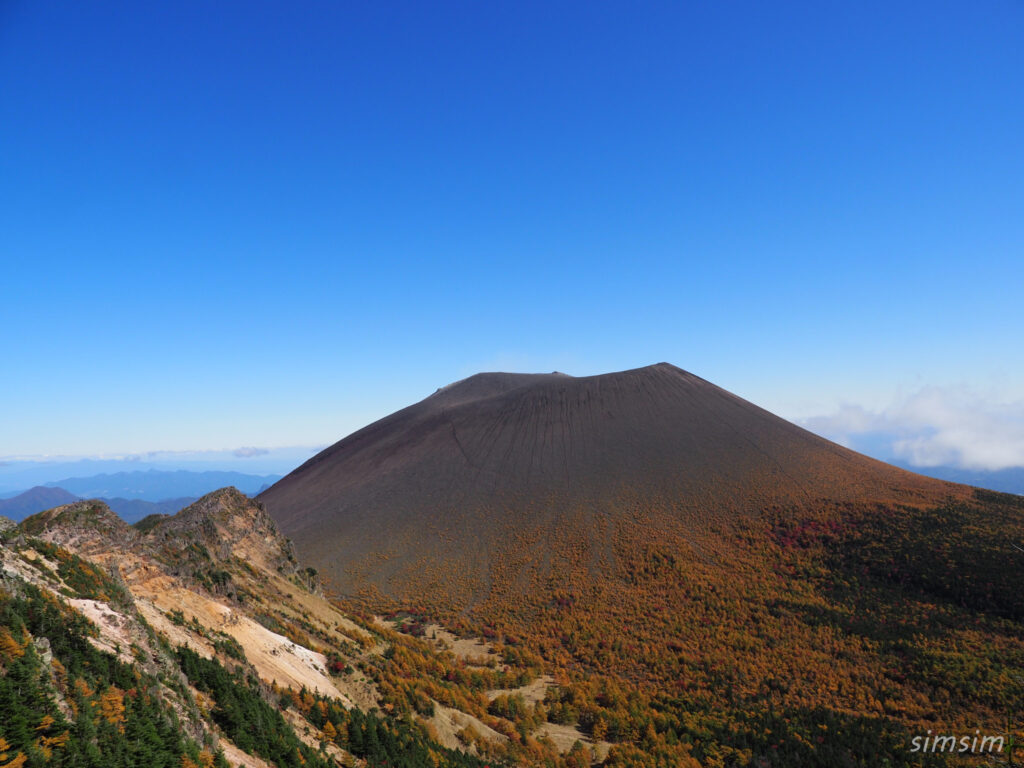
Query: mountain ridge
{"x": 209, "y": 613}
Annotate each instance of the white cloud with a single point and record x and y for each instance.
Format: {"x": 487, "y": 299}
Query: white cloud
{"x": 935, "y": 426}
{"x": 249, "y": 452}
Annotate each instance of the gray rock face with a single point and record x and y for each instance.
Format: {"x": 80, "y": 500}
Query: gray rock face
{"x": 42, "y": 645}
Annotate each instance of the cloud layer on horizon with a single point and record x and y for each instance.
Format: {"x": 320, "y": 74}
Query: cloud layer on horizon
{"x": 198, "y": 454}
{"x": 933, "y": 427}
{"x": 248, "y": 452}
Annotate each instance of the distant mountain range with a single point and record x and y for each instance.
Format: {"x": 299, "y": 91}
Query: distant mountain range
{"x": 42, "y": 498}
{"x": 132, "y": 495}
{"x": 1009, "y": 480}
{"x": 133, "y": 510}
{"x": 18, "y": 473}
{"x": 157, "y": 485}
{"x": 34, "y": 500}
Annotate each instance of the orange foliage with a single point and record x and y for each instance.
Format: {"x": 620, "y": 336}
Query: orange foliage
{"x": 9, "y": 647}
{"x": 112, "y": 707}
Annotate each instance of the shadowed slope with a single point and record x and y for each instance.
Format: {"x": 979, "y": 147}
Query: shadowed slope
{"x": 504, "y": 470}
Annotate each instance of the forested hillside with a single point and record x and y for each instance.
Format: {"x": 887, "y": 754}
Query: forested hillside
{"x": 822, "y": 639}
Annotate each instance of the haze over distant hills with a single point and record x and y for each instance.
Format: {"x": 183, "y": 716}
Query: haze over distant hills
{"x": 34, "y": 500}
{"x": 155, "y": 485}
{"x": 42, "y": 498}
{"x": 1009, "y": 480}
{"x": 132, "y": 495}
{"x": 19, "y": 473}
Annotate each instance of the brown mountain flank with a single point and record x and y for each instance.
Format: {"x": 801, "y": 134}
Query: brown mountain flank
{"x": 502, "y": 479}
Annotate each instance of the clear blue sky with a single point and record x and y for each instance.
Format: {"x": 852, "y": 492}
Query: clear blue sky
{"x": 228, "y": 224}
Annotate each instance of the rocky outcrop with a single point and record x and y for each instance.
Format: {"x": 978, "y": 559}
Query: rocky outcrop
{"x": 223, "y": 525}
{"x": 85, "y": 527}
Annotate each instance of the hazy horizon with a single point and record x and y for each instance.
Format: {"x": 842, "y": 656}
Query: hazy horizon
{"x": 933, "y": 427}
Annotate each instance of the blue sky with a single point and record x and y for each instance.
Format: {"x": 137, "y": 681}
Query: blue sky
{"x": 266, "y": 224}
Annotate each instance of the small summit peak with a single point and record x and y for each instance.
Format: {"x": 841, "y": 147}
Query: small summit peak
{"x": 216, "y": 504}
{"x": 663, "y": 366}
{"x": 225, "y": 524}
{"x": 90, "y": 523}
{"x": 490, "y": 383}
{"x": 216, "y": 513}
{"x": 663, "y": 369}
{"x": 227, "y": 495}
{"x": 90, "y": 513}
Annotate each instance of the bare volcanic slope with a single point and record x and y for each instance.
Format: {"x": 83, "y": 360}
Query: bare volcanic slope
{"x": 525, "y": 473}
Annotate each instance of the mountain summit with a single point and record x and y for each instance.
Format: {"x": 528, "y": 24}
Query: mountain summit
{"x": 502, "y": 472}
